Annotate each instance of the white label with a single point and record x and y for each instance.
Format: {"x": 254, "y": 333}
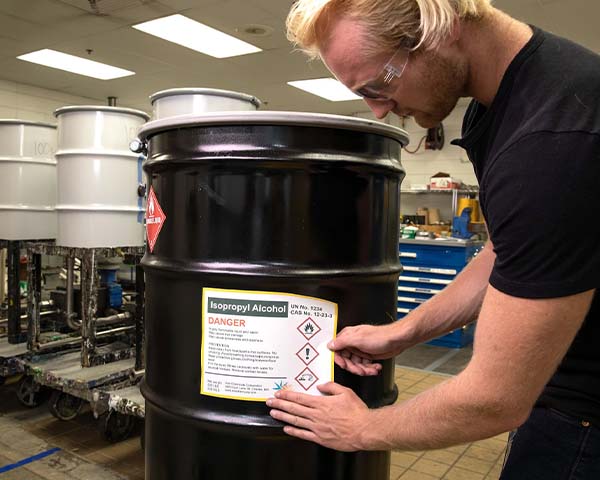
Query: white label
{"x": 255, "y": 343}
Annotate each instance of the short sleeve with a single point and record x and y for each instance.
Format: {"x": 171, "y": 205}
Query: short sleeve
{"x": 541, "y": 199}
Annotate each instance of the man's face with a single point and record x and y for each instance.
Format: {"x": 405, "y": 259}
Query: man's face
{"x": 427, "y": 89}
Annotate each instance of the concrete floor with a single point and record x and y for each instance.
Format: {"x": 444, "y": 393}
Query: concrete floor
{"x": 84, "y": 454}
{"x": 430, "y": 358}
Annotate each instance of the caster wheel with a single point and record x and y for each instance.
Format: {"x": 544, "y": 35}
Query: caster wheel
{"x": 64, "y": 406}
{"x": 30, "y": 393}
{"x": 116, "y": 427}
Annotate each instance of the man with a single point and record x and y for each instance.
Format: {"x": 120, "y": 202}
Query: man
{"x": 532, "y": 133}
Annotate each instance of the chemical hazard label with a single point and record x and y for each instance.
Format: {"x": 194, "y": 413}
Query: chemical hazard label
{"x": 255, "y": 343}
{"x": 307, "y": 353}
{"x": 155, "y": 219}
{"x": 309, "y": 328}
{"x": 307, "y": 378}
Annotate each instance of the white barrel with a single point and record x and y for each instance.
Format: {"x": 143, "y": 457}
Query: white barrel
{"x": 183, "y": 101}
{"x": 98, "y": 177}
{"x": 27, "y": 180}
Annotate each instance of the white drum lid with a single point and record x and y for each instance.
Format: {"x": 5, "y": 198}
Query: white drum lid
{"x": 185, "y": 101}
{"x": 215, "y": 92}
{"x": 100, "y": 108}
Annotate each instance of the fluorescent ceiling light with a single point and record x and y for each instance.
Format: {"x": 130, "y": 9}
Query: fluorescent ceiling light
{"x": 197, "y": 36}
{"x": 328, "y": 88}
{"x": 73, "y": 64}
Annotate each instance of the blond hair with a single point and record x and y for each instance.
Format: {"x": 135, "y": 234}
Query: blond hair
{"x": 389, "y": 24}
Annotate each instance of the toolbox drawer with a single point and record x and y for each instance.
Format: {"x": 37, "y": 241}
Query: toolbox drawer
{"x": 433, "y": 256}
{"x": 428, "y": 269}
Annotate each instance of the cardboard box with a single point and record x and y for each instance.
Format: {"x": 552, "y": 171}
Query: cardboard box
{"x": 439, "y": 229}
{"x": 443, "y": 181}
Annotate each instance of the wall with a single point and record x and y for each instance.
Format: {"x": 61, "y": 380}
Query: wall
{"x": 37, "y": 104}
{"x": 425, "y": 163}
{"x": 420, "y": 166}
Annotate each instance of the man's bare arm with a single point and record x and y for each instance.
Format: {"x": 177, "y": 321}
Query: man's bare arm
{"x": 455, "y": 306}
{"x": 518, "y": 346}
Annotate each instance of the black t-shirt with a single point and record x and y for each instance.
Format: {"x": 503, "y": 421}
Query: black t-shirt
{"x": 536, "y": 154}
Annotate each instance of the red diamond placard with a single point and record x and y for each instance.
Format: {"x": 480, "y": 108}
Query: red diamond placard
{"x": 309, "y": 328}
{"x": 307, "y": 353}
{"x": 306, "y": 378}
{"x": 155, "y": 218}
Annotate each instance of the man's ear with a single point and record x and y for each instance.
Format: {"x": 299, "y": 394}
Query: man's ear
{"x": 455, "y": 32}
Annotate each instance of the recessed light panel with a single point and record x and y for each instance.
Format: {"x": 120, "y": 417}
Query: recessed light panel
{"x": 73, "y": 64}
{"x": 197, "y": 36}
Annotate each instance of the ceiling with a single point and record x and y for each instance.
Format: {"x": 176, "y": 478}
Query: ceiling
{"x": 77, "y": 27}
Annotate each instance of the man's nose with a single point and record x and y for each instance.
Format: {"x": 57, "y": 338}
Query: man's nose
{"x": 380, "y": 107}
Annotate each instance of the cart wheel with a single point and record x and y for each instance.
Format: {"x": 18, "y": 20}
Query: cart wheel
{"x": 64, "y": 406}
{"x": 143, "y": 435}
{"x": 116, "y": 427}
{"x": 29, "y": 392}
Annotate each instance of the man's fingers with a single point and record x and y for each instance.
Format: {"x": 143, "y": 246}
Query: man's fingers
{"x": 358, "y": 359}
{"x": 368, "y": 366}
{"x": 296, "y": 398}
{"x": 291, "y": 419}
{"x": 349, "y": 352}
{"x": 343, "y": 339}
{"x": 332, "y": 388}
{"x": 350, "y": 366}
{"x": 372, "y": 370}
{"x": 303, "y": 434}
{"x": 289, "y": 407}
{"x": 355, "y": 351}
{"x": 340, "y": 361}
{"x": 375, "y": 368}
{"x": 364, "y": 368}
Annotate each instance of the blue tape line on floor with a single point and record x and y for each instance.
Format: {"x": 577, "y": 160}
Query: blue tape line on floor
{"x": 25, "y": 461}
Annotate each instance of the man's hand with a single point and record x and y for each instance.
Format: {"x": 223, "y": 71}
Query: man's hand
{"x": 356, "y": 347}
{"x": 336, "y": 421}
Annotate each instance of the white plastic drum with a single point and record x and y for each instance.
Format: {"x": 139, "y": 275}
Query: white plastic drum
{"x": 27, "y": 180}
{"x": 183, "y": 101}
{"x": 98, "y": 177}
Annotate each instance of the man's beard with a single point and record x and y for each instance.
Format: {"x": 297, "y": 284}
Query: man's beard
{"x": 445, "y": 80}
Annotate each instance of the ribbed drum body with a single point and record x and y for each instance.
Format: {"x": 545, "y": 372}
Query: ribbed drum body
{"x": 98, "y": 177}
{"x": 27, "y": 180}
{"x": 183, "y": 101}
{"x": 290, "y": 208}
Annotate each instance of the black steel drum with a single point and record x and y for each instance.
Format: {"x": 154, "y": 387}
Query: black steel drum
{"x": 294, "y": 203}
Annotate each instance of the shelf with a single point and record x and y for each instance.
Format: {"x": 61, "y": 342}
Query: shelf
{"x": 460, "y": 191}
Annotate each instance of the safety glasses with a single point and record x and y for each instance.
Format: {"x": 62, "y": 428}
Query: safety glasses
{"x": 384, "y": 85}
